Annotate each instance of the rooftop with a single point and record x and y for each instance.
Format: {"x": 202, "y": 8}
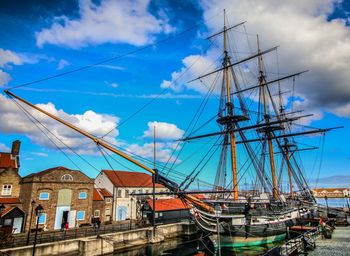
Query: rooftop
{"x": 169, "y": 204}
{"x": 130, "y": 179}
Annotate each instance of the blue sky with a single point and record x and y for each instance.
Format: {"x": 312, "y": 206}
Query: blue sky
{"x": 44, "y": 38}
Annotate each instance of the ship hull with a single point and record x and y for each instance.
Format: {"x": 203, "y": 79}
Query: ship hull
{"x": 234, "y": 232}
{"x": 238, "y": 241}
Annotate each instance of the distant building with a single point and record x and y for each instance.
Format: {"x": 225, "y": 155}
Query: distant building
{"x": 66, "y": 195}
{"x": 331, "y": 192}
{"x": 121, "y": 184}
{"x": 168, "y": 210}
{"x": 102, "y": 205}
{"x": 12, "y": 216}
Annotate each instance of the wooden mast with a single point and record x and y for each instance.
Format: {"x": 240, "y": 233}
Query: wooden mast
{"x": 262, "y": 83}
{"x": 230, "y": 112}
{"x": 190, "y": 198}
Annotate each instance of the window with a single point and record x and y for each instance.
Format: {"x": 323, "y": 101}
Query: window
{"x": 119, "y": 193}
{"x": 6, "y": 190}
{"x": 80, "y": 215}
{"x": 67, "y": 177}
{"x": 42, "y": 218}
{"x": 97, "y": 213}
{"x": 126, "y": 193}
{"x": 108, "y": 211}
{"x": 44, "y": 196}
{"x": 108, "y": 200}
{"x": 82, "y": 195}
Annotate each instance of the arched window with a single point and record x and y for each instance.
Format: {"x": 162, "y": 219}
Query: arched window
{"x": 44, "y": 196}
{"x": 67, "y": 177}
{"x": 82, "y": 195}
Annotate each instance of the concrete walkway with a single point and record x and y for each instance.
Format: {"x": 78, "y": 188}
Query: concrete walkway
{"x": 339, "y": 245}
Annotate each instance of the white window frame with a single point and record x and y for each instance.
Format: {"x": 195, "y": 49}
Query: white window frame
{"x": 108, "y": 200}
{"x": 6, "y": 190}
{"x": 97, "y": 215}
{"x": 78, "y": 215}
{"x": 79, "y": 197}
{"x": 48, "y": 195}
{"x": 40, "y": 216}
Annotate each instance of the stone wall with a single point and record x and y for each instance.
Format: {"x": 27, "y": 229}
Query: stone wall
{"x": 108, "y": 243}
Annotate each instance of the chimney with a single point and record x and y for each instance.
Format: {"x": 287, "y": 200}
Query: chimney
{"x": 15, "y": 151}
{"x": 15, "y": 148}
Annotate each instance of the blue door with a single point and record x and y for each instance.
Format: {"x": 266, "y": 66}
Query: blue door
{"x": 121, "y": 213}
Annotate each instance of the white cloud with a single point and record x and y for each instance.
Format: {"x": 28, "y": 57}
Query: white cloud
{"x": 40, "y": 154}
{"x": 110, "y": 21}
{"x": 4, "y": 148}
{"x": 194, "y": 66}
{"x": 306, "y": 39}
{"x": 9, "y": 57}
{"x": 164, "y": 131}
{"x": 14, "y": 121}
{"x": 163, "y": 151}
{"x": 114, "y": 85}
{"x": 61, "y": 64}
{"x": 111, "y": 67}
{"x": 4, "y": 78}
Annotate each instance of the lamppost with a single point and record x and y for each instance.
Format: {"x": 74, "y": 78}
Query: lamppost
{"x": 217, "y": 211}
{"x": 131, "y": 200}
{"x": 30, "y": 220}
{"x": 326, "y": 198}
{"x": 38, "y": 211}
{"x": 2, "y": 208}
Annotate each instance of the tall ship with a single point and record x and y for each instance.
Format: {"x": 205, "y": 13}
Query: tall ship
{"x": 256, "y": 138}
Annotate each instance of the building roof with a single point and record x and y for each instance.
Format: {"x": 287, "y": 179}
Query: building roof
{"x": 97, "y": 196}
{"x": 130, "y": 179}
{"x": 9, "y": 200}
{"x": 6, "y": 211}
{"x": 168, "y": 204}
{"x": 329, "y": 189}
{"x": 105, "y": 192}
{"x": 13, "y": 209}
{"x": 59, "y": 168}
{"x": 7, "y": 160}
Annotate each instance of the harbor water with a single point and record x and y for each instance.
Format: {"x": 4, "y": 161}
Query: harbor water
{"x": 194, "y": 245}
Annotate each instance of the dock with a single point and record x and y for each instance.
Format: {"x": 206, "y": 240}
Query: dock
{"x": 339, "y": 245}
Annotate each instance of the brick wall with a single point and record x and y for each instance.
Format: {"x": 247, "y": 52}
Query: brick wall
{"x": 50, "y": 182}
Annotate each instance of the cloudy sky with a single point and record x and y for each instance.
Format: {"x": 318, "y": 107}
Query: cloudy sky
{"x": 153, "y": 48}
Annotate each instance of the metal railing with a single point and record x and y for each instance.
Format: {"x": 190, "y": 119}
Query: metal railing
{"x": 299, "y": 244}
{"x": 54, "y": 236}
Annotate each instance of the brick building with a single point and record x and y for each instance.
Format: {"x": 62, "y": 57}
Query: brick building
{"x": 123, "y": 183}
{"x": 9, "y": 177}
{"x": 12, "y": 216}
{"x": 102, "y": 205}
{"x": 66, "y": 195}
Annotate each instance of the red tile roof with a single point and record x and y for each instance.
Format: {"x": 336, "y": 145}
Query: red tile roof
{"x": 105, "y": 192}
{"x": 9, "y": 200}
{"x": 130, "y": 179}
{"x": 97, "y": 196}
{"x": 200, "y": 196}
{"x": 7, "y": 161}
{"x": 6, "y": 211}
{"x": 170, "y": 204}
